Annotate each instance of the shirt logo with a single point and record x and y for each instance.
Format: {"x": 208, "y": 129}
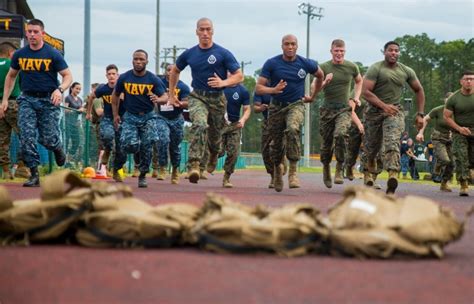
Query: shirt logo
{"x": 301, "y": 73}
{"x": 211, "y": 59}
{"x": 138, "y": 88}
{"x": 34, "y": 64}
{"x": 236, "y": 96}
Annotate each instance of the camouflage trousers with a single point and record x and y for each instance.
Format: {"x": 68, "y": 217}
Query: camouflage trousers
{"x": 207, "y": 117}
{"x": 8, "y": 124}
{"x": 462, "y": 148}
{"x": 353, "y": 146}
{"x": 266, "y": 142}
{"x": 139, "y": 134}
{"x": 170, "y": 133}
{"x": 383, "y": 132}
{"x": 100, "y": 144}
{"x": 38, "y": 119}
{"x": 110, "y": 138}
{"x": 285, "y": 127}
{"x": 443, "y": 154}
{"x": 333, "y": 128}
{"x": 231, "y": 146}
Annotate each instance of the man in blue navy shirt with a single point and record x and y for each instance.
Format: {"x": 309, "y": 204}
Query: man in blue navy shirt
{"x": 170, "y": 129}
{"x": 38, "y": 113}
{"x": 209, "y": 64}
{"x": 142, "y": 90}
{"x": 109, "y": 135}
{"x": 237, "y": 97}
{"x": 283, "y": 76}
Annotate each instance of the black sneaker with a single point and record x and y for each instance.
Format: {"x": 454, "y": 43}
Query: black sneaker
{"x": 33, "y": 181}
{"x": 59, "y": 156}
{"x": 142, "y": 182}
{"x": 392, "y": 185}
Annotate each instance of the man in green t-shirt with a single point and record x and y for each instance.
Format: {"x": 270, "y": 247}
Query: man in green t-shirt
{"x": 384, "y": 119}
{"x": 336, "y": 110}
{"x": 8, "y": 112}
{"x": 459, "y": 115}
{"x": 441, "y": 138}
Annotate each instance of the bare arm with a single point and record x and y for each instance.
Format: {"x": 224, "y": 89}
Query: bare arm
{"x": 448, "y": 118}
{"x": 355, "y": 118}
{"x": 174, "y": 77}
{"x": 259, "y": 107}
{"x": 420, "y": 136}
{"x": 357, "y": 89}
{"x": 56, "y": 96}
{"x": 316, "y": 86}
{"x": 234, "y": 78}
{"x": 368, "y": 93}
{"x": 90, "y": 101}
{"x": 245, "y": 116}
{"x": 7, "y": 90}
{"x": 420, "y": 101}
{"x": 115, "y": 107}
{"x": 261, "y": 88}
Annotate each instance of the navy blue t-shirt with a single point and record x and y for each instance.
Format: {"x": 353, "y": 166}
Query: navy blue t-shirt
{"x": 182, "y": 91}
{"x": 293, "y": 72}
{"x": 262, "y": 99}
{"x": 136, "y": 90}
{"x": 38, "y": 69}
{"x": 236, "y": 97}
{"x": 205, "y": 62}
{"x": 105, "y": 92}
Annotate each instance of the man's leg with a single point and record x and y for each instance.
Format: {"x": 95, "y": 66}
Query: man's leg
{"x": 216, "y": 121}
{"x": 461, "y": 153}
{"x": 198, "y": 138}
{"x": 341, "y": 139}
{"x": 372, "y": 143}
{"x": 266, "y": 140}
{"x": 277, "y": 126}
{"x": 393, "y": 127}
{"x": 162, "y": 146}
{"x": 176, "y": 137}
{"x": 353, "y": 149}
{"x": 292, "y": 143}
{"x": 326, "y": 130}
{"x": 232, "y": 149}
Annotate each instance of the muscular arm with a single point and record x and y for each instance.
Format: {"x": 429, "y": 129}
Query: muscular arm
{"x": 317, "y": 84}
{"x": 66, "y": 81}
{"x": 420, "y": 101}
{"x": 357, "y": 88}
{"x": 355, "y": 118}
{"x": 245, "y": 116}
{"x": 420, "y": 136}
{"x": 259, "y": 107}
{"x": 115, "y": 106}
{"x": 90, "y": 101}
{"x": 173, "y": 81}
{"x": 368, "y": 93}
{"x": 8, "y": 87}
{"x": 448, "y": 118}
{"x": 261, "y": 88}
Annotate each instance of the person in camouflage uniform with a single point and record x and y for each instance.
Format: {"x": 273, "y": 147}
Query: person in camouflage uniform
{"x": 335, "y": 112}
{"x": 260, "y": 105}
{"x": 283, "y": 77}
{"x": 237, "y": 97}
{"x": 38, "y": 116}
{"x": 171, "y": 129}
{"x": 384, "y": 118}
{"x": 442, "y": 141}
{"x": 8, "y": 119}
{"x": 209, "y": 64}
{"x": 461, "y": 106}
{"x": 141, "y": 90}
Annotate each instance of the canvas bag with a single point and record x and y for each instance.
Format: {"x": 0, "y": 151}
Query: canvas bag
{"x": 225, "y": 226}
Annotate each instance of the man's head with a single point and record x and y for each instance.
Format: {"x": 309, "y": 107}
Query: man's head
{"x": 391, "y": 51}
{"x": 140, "y": 60}
{"x": 111, "y": 73}
{"x": 7, "y": 49}
{"x": 467, "y": 81}
{"x": 205, "y": 31}
{"x": 35, "y": 33}
{"x": 338, "y": 50}
{"x": 94, "y": 86}
{"x": 289, "y": 45}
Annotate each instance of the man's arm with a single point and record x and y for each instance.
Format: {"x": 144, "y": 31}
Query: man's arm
{"x": 90, "y": 101}
{"x": 56, "y": 96}
{"x": 357, "y": 89}
{"x": 174, "y": 77}
{"x": 368, "y": 93}
{"x": 420, "y": 101}
{"x": 355, "y": 118}
{"x": 316, "y": 86}
{"x": 245, "y": 116}
{"x": 115, "y": 107}
{"x": 234, "y": 78}
{"x": 448, "y": 118}
{"x": 259, "y": 107}
{"x": 262, "y": 89}
{"x": 420, "y": 136}
{"x": 7, "y": 90}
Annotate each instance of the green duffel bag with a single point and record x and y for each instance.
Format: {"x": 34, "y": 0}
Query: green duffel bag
{"x": 131, "y": 223}
{"x": 366, "y": 223}
{"x": 225, "y": 226}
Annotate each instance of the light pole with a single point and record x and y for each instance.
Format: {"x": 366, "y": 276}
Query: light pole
{"x": 311, "y": 12}
{"x": 157, "y": 38}
{"x": 243, "y": 64}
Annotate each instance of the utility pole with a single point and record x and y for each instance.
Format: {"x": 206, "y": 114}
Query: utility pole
{"x": 157, "y": 45}
{"x": 311, "y": 12}
{"x": 87, "y": 69}
{"x": 243, "y": 64}
{"x": 174, "y": 54}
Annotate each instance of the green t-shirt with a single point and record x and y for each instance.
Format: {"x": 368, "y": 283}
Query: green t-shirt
{"x": 389, "y": 82}
{"x": 436, "y": 115}
{"x": 462, "y": 107}
{"x": 4, "y": 68}
{"x": 338, "y": 90}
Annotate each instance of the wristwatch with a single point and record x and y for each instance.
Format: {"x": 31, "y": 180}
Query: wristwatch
{"x": 61, "y": 90}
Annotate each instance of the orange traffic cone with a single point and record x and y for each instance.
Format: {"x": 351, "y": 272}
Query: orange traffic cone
{"x": 102, "y": 173}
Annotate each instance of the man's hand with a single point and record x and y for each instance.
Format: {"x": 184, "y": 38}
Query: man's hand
{"x": 356, "y": 101}
{"x": 464, "y": 131}
{"x": 240, "y": 124}
{"x": 56, "y": 97}
{"x": 420, "y": 137}
{"x": 307, "y": 99}
{"x": 173, "y": 100}
{"x": 327, "y": 79}
{"x": 390, "y": 109}
{"x": 3, "y": 109}
{"x": 418, "y": 122}
{"x": 215, "y": 82}
{"x": 153, "y": 98}
{"x": 279, "y": 87}
{"x": 117, "y": 121}
{"x": 89, "y": 116}
{"x": 361, "y": 128}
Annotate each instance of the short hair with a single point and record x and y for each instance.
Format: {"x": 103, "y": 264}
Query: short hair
{"x": 141, "y": 51}
{"x": 111, "y": 67}
{"x": 204, "y": 19}
{"x": 94, "y": 85}
{"x": 467, "y": 72}
{"x": 36, "y": 22}
{"x": 338, "y": 43}
{"x": 73, "y": 85}
{"x": 6, "y": 47}
{"x": 385, "y": 47}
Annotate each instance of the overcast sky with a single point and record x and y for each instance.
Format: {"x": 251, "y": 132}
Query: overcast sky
{"x": 251, "y": 30}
